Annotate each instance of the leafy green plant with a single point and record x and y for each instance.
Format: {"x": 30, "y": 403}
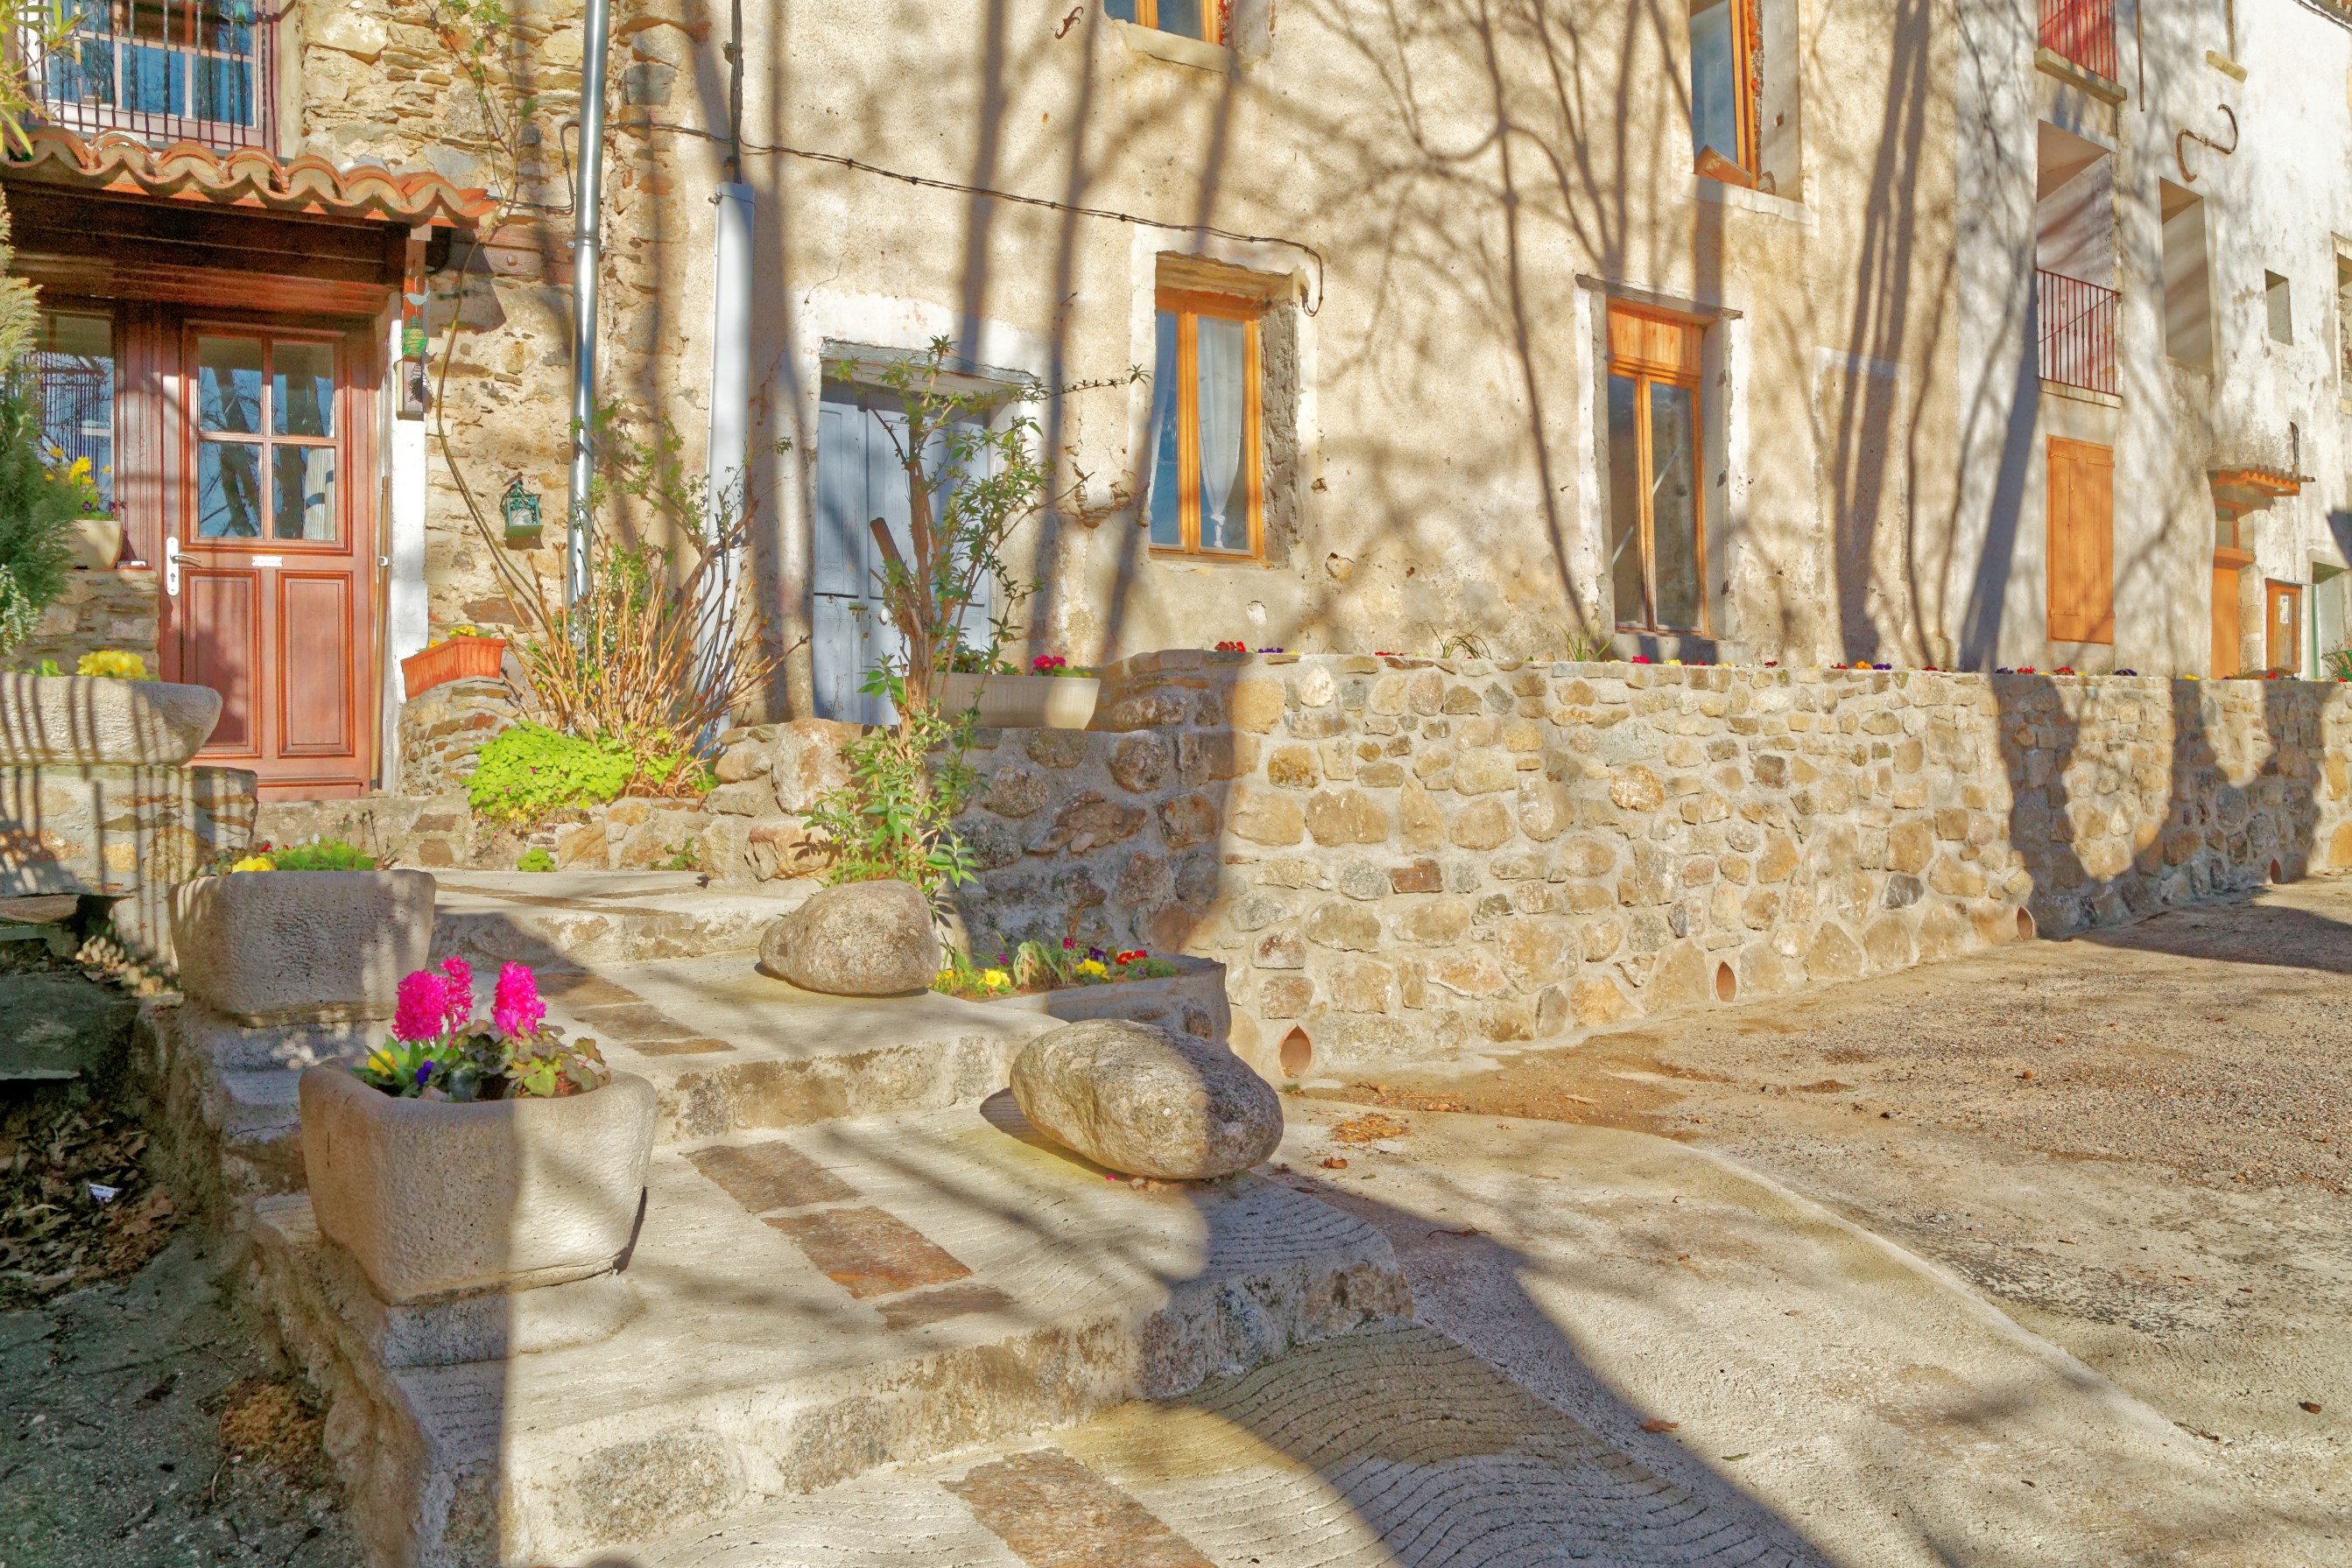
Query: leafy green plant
{"x": 18, "y": 614}
{"x": 906, "y": 786}
{"x": 535, "y": 859}
{"x": 529, "y": 771}
{"x": 37, "y": 507}
{"x": 2338, "y": 661}
{"x": 681, "y": 857}
{"x": 321, "y": 855}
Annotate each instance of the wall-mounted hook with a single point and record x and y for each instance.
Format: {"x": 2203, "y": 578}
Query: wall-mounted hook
{"x": 2180, "y": 151}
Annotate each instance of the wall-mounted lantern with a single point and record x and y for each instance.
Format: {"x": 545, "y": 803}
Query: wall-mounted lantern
{"x": 520, "y": 508}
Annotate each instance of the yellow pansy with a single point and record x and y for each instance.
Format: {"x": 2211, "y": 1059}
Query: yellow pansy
{"x": 254, "y": 862}
{"x": 996, "y": 979}
{"x": 1094, "y": 969}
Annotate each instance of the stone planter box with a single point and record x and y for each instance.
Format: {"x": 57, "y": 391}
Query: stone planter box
{"x": 302, "y": 946}
{"x": 1024, "y": 701}
{"x": 1192, "y": 1000}
{"x": 433, "y": 1201}
{"x": 96, "y": 543}
{"x": 52, "y": 720}
{"x": 458, "y": 659}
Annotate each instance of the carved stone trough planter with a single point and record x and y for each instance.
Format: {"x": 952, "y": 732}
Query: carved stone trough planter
{"x": 82, "y": 720}
{"x": 302, "y": 946}
{"x": 474, "y": 1231}
{"x": 1190, "y": 1002}
{"x": 1023, "y": 702}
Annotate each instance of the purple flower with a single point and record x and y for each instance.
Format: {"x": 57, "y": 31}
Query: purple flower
{"x": 516, "y": 1009}
{"x": 424, "y": 1072}
{"x": 421, "y": 1010}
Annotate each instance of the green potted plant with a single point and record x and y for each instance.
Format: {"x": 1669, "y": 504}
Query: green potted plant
{"x": 466, "y": 1156}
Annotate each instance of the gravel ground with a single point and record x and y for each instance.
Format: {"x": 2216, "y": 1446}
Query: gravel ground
{"x": 2139, "y": 1144}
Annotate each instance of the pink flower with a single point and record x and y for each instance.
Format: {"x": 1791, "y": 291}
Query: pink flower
{"x": 516, "y": 1008}
{"x": 421, "y": 1013}
{"x": 458, "y": 988}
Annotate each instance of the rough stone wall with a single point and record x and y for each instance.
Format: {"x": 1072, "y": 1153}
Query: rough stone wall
{"x": 442, "y": 733}
{"x": 96, "y": 611}
{"x": 1407, "y": 859}
{"x": 132, "y": 832}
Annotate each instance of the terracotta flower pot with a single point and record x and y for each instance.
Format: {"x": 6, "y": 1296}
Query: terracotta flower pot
{"x": 458, "y": 659}
{"x": 1023, "y": 702}
{"x": 434, "y": 1199}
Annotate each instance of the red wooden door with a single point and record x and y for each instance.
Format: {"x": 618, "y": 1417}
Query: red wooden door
{"x": 269, "y": 560}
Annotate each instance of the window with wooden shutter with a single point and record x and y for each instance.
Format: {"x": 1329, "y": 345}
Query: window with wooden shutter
{"x": 2080, "y": 554}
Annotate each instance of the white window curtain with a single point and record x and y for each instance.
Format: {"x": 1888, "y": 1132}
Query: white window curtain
{"x": 1224, "y": 516}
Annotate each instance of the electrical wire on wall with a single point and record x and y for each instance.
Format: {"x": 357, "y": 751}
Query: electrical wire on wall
{"x": 958, "y": 187}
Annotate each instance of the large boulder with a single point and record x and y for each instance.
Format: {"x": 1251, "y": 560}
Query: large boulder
{"x": 859, "y": 939}
{"x": 1142, "y": 1099}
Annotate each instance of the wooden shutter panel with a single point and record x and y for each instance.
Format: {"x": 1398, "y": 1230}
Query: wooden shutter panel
{"x": 2080, "y": 542}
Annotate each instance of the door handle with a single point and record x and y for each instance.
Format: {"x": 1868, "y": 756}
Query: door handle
{"x": 172, "y": 566}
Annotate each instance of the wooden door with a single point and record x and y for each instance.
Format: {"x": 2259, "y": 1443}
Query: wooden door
{"x": 269, "y": 560}
{"x": 2282, "y": 627}
{"x": 2226, "y": 640}
{"x": 2081, "y": 552}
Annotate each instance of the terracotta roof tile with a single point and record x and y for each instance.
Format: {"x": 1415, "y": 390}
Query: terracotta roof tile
{"x": 187, "y": 171}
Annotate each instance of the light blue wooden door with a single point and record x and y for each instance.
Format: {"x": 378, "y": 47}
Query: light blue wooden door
{"x": 859, "y": 478}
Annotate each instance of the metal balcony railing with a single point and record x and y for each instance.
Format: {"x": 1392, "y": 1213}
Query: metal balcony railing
{"x": 162, "y": 70}
{"x": 2084, "y": 31}
{"x": 2078, "y": 331}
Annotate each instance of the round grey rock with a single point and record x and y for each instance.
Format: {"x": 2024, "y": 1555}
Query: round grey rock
{"x": 1142, "y": 1099}
{"x": 859, "y": 939}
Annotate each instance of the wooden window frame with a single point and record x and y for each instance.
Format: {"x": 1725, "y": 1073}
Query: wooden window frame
{"x": 1745, "y": 167}
{"x": 1639, "y": 350}
{"x": 1188, "y": 306}
{"x": 1147, "y": 15}
{"x": 265, "y": 441}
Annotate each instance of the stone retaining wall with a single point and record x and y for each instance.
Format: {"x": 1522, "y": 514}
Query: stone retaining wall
{"x": 1401, "y": 858}
{"x": 130, "y": 832}
{"x": 95, "y": 610}
{"x": 443, "y": 731}
{"x": 1398, "y": 858}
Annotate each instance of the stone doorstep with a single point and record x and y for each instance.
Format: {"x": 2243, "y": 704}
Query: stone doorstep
{"x": 600, "y": 918}
{"x": 1351, "y": 1451}
{"x": 972, "y": 1283}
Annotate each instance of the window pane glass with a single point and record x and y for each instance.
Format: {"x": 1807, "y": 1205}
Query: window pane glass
{"x": 304, "y": 506}
{"x": 1625, "y": 504}
{"x": 1714, "y": 117}
{"x": 1123, "y": 10}
{"x": 1167, "y": 503}
{"x": 303, "y": 389}
{"x": 1224, "y": 477}
{"x": 154, "y": 80}
{"x": 1673, "y": 503}
{"x": 1181, "y": 17}
{"x": 228, "y": 385}
{"x": 228, "y": 490}
{"x": 70, "y": 373}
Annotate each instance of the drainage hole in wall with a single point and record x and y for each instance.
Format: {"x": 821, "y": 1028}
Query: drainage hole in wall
{"x": 2024, "y": 926}
{"x": 2275, "y": 875}
{"x": 1297, "y": 1052}
{"x": 1727, "y": 984}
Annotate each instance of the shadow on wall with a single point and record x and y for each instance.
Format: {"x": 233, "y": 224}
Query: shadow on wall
{"x": 2239, "y": 802}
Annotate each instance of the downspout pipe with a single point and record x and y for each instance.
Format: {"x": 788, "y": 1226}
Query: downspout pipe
{"x": 587, "y": 256}
{"x": 727, "y": 478}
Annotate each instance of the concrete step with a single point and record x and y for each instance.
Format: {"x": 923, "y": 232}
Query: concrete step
{"x": 1394, "y": 1445}
{"x": 729, "y": 1049}
{"x": 815, "y": 1303}
{"x": 597, "y": 918}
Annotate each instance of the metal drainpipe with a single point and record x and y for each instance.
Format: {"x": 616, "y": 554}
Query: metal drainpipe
{"x": 728, "y": 473}
{"x": 586, "y": 259}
